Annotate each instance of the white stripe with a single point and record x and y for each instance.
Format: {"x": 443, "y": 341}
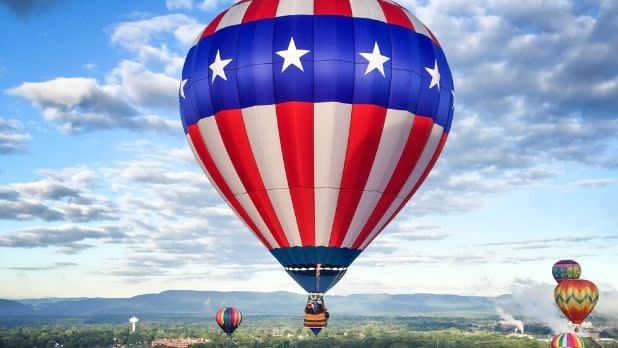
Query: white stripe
{"x": 199, "y": 161}
{"x": 234, "y": 15}
{"x": 330, "y": 141}
{"x": 367, "y": 9}
{"x": 423, "y": 161}
{"x": 216, "y": 148}
{"x": 397, "y": 126}
{"x": 295, "y": 7}
{"x": 419, "y": 27}
{"x": 263, "y": 133}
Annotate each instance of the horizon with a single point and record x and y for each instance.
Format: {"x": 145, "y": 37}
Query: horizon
{"x": 100, "y": 195}
{"x": 243, "y": 291}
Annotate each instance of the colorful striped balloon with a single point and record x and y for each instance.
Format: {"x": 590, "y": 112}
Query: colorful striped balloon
{"x": 566, "y": 269}
{"x": 576, "y": 298}
{"x": 567, "y": 340}
{"x": 229, "y": 319}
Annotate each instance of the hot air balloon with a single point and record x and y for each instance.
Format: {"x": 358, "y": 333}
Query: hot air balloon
{"x": 566, "y": 269}
{"x": 229, "y": 319}
{"x": 316, "y": 121}
{"x": 567, "y": 340}
{"x": 576, "y": 298}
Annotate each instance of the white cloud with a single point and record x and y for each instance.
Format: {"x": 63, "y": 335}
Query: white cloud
{"x": 133, "y": 35}
{"x": 209, "y": 5}
{"x": 12, "y": 136}
{"x": 143, "y": 87}
{"x": 82, "y": 104}
{"x": 178, "y": 4}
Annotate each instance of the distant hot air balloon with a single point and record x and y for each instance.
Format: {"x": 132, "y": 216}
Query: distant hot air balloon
{"x": 316, "y": 121}
{"x": 229, "y": 319}
{"x": 567, "y": 340}
{"x": 576, "y": 298}
{"x": 566, "y": 269}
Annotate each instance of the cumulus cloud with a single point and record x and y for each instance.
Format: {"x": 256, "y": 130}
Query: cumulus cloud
{"x": 82, "y": 105}
{"x": 12, "y": 136}
{"x": 65, "y": 195}
{"x": 143, "y": 87}
{"x": 69, "y": 238}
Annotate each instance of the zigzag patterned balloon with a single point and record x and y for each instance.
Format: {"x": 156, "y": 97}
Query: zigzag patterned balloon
{"x": 576, "y": 298}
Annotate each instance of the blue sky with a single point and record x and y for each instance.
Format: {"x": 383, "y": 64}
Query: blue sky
{"x": 100, "y": 195}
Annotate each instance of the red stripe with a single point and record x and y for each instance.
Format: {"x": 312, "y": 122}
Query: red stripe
{"x": 260, "y": 9}
{"x": 395, "y": 14}
{"x": 202, "y": 151}
{"x": 295, "y": 120}
{"x": 212, "y": 27}
{"x": 366, "y": 127}
{"x": 234, "y": 135}
{"x": 417, "y": 140}
{"x": 333, "y": 7}
{"x": 430, "y": 165}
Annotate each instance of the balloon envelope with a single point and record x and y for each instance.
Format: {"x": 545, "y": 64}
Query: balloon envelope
{"x": 316, "y": 121}
{"x": 228, "y": 319}
{"x": 566, "y": 269}
{"x": 576, "y": 298}
{"x": 567, "y": 340}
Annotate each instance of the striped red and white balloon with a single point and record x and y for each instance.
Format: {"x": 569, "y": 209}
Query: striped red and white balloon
{"x": 316, "y": 121}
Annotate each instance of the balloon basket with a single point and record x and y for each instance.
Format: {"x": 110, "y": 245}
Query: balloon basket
{"x": 316, "y": 315}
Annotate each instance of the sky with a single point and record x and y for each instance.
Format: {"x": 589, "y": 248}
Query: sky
{"x": 100, "y": 195}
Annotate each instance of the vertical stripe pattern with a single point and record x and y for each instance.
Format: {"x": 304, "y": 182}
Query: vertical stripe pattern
{"x": 316, "y": 121}
{"x": 228, "y": 319}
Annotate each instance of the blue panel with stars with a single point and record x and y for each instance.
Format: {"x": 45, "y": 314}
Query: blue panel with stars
{"x": 367, "y": 33}
{"x": 225, "y": 42}
{"x": 446, "y": 80}
{"x": 404, "y": 47}
{"x": 298, "y": 27}
{"x": 330, "y": 59}
{"x": 197, "y": 64}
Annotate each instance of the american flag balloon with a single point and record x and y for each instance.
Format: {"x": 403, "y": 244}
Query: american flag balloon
{"x": 316, "y": 121}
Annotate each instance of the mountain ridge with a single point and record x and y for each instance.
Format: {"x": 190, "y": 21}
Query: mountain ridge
{"x": 197, "y": 302}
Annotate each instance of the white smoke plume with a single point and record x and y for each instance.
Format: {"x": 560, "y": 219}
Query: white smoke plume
{"x": 133, "y": 321}
{"x": 536, "y": 301}
{"x": 608, "y": 301}
{"x": 509, "y": 320}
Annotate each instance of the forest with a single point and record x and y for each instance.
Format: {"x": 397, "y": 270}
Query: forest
{"x": 460, "y": 332}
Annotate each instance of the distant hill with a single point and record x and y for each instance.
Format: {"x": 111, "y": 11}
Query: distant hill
{"x": 176, "y": 302}
{"x": 8, "y": 307}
